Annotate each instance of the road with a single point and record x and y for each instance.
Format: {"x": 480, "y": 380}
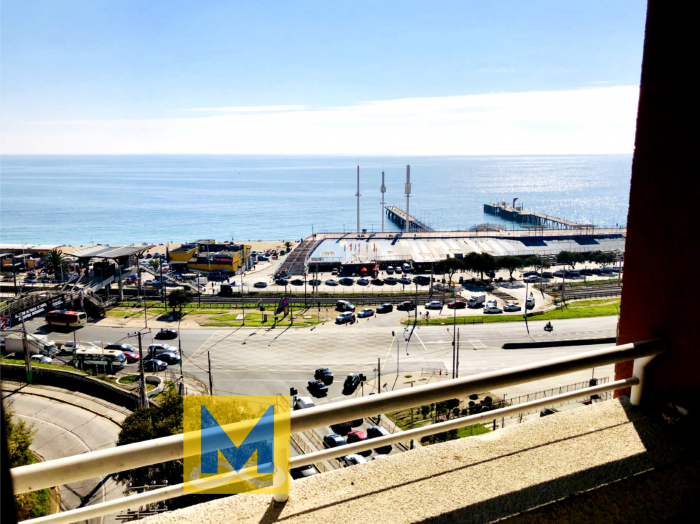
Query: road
{"x": 63, "y": 430}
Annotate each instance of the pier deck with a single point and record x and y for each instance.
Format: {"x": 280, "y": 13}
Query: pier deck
{"x": 398, "y": 217}
{"x": 519, "y": 214}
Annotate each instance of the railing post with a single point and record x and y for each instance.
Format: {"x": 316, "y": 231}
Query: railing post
{"x": 640, "y": 365}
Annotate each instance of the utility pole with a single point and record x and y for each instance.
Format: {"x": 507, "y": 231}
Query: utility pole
{"x": 142, "y": 378}
{"x": 211, "y": 383}
{"x": 358, "y": 200}
{"x": 458, "y": 353}
{"x": 383, "y": 190}
{"x": 145, "y": 315}
{"x": 454, "y": 347}
{"x": 379, "y": 384}
{"x": 27, "y": 361}
{"x": 162, "y": 283}
{"x": 408, "y": 194}
{"x": 14, "y": 273}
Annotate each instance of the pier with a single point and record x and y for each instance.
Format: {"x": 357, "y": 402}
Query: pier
{"x": 398, "y": 217}
{"x": 524, "y": 216}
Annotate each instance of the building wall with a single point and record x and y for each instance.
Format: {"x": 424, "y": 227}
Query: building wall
{"x": 661, "y": 282}
{"x": 183, "y": 256}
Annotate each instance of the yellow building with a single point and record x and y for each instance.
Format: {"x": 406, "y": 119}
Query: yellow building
{"x": 184, "y": 253}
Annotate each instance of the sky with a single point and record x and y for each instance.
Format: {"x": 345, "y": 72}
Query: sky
{"x": 317, "y": 77}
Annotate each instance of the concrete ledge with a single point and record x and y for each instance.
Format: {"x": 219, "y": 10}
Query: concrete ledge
{"x": 560, "y": 343}
{"x": 475, "y": 480}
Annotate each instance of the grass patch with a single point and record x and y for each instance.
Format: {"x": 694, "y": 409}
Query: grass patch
{"x": 129, "y": 379}
{"x": 39, "y": 365}
{"x": 473, "y": 431}
{"x": 576, "y": 310}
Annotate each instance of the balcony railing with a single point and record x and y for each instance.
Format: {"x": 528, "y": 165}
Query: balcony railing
{"x": 105, "y": 462}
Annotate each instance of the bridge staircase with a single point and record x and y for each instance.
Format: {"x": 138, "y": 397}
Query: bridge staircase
{"x": 296, "y": 260}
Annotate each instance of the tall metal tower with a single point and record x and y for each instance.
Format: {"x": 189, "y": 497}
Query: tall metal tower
{"x": 358, "y": 199}
{"x": 383, "y": 190}
{"x": 408, "y": 195}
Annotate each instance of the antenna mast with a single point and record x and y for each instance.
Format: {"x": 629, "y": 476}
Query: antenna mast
{"x": 358, "y": 200}
{"x": 383, "y": 190}
{"x": 408, "y": 195}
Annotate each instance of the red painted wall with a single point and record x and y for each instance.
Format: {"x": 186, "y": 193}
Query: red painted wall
{"x": 661, "y": 294}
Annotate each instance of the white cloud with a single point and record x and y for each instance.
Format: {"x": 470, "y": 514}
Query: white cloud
{"x": 597, "y": 120}
{"x": 247, "y": 109}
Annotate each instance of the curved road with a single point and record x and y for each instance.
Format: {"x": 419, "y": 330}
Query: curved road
{"x": 63, "y": 430}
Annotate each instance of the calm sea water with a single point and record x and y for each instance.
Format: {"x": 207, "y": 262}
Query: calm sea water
{"x": 134, "y": 199}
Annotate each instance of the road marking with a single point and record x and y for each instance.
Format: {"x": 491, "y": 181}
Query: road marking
{"x": 200, "y": 347}
{"x": 478, "y": 344}
{"x": 386, "y": 358}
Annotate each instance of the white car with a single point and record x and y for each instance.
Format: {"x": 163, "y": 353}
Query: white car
{"x": 512, "y": 307}
{"x": 331, "y": 282}
{"x": 434, "y": 304}
{"x": 41, "y": 359}
{"x": 354, "y": 460}
{"x": 348, "y": 316}
{"x": 367, "y": 312}
{"x": 492, "y": 309}
{"x": 531, "y": 278}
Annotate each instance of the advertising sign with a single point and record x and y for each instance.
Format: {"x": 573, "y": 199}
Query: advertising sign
{"x": 236, "y": 444}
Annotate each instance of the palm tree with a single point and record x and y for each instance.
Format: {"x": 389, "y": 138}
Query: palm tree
{"x": 55, "y": 260}
{"x": 288, "y": 245}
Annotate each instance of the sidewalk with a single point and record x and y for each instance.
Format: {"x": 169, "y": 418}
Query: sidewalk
{"x": 99, "y": 407}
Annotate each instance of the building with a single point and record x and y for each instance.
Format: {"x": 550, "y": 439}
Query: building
{"x": 207, "y": 255}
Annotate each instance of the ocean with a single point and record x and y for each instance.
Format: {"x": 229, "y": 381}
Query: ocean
{"x": 80, "y": 200}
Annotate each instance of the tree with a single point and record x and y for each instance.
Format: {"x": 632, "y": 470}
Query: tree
{"x": 288, "y": 245}
{"x": 570, "y": 259}
{"x": 537, "y": 262}
{"x": 178, "y": 298}
{"x": 449, "y": 267}
{"x": 480, "y": 262}
{"x": 19, "y": 438}
{"x": 510, "y": 263}
{"x": 55, "y": 261}
{"x": 425, "y": 410}
{"x": 602, "y": 258}
{"x": 154, "y": 263}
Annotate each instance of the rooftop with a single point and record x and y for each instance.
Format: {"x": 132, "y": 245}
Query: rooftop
{"x": 109, "y": 251}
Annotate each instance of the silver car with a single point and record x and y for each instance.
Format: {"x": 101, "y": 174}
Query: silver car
{"x": 492, "y": 309}
{"x": 434, "y": 304}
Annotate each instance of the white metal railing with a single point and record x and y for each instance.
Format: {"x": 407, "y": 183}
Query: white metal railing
{"x": 113, "y": 460}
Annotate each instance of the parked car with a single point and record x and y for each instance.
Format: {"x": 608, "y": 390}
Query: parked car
{"x": 376, "y": 432}
{"x": 325, "y": 375}
{"x": 315, "y": 282}
{"x": 334, "y": 271}
{"x": 346, "y": 281}
{"x": 297, "y": 282}
{"x": 512, "y": 307}
{"x": 333, "y": 441}
{"x": 385, "y": 308}
{"x": 41, "y": 359}
{"x": 168, "y": 357}
{"x": 346, "y": 317}
{"x": 152, "y": 364}
{"x": 282, "y": 282}
{"x": 359, "y": 436}
{"x": 166, "y": 334}
{"x": 404, "y": 280}
{"x": 457, "y": 304}
{"x": 352, "y": 381}
{"x": 421, "y": 280}
{"x": 303, "y": 472}
{"x": 263, "y": 258}
{"x": 531, "y": 279}
{"x": 157, "y": 349}
{"x": 377, "y": 282}
{"x": 391, "y": 281}
{"x": 398, "y": 270}
{"x": 406, "y": 305}
{"x": 331, "y": 282}
{"x": 434, "y": 304}
{"x": 354, "y": 460}
{"x": 389, "y": 270}
{"x": 303, "y": 403}
{"x": 344, "y": 305}
{"x": 367, "y": 312}
{"x": 260, "y": 284}
{"x": 120, "y": 347}
{"x": 363, "y": 282}
{"x": 317, "y": 387}
{"x": 131, "y": 356}
{"x": 492, "y": 309}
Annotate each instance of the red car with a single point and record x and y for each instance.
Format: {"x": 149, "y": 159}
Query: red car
{"x": 359, "y": 436}
{"x": 131, "y": 357}
{"x": 407, "y": 305}
{"x": 457, "y": 304}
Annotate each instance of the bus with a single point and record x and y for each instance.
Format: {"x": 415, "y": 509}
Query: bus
{"x": 62, "y": 317}
{"x": 108, "y": 360}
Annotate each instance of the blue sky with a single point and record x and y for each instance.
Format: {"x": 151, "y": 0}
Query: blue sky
{"x": 83, "y": 76}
